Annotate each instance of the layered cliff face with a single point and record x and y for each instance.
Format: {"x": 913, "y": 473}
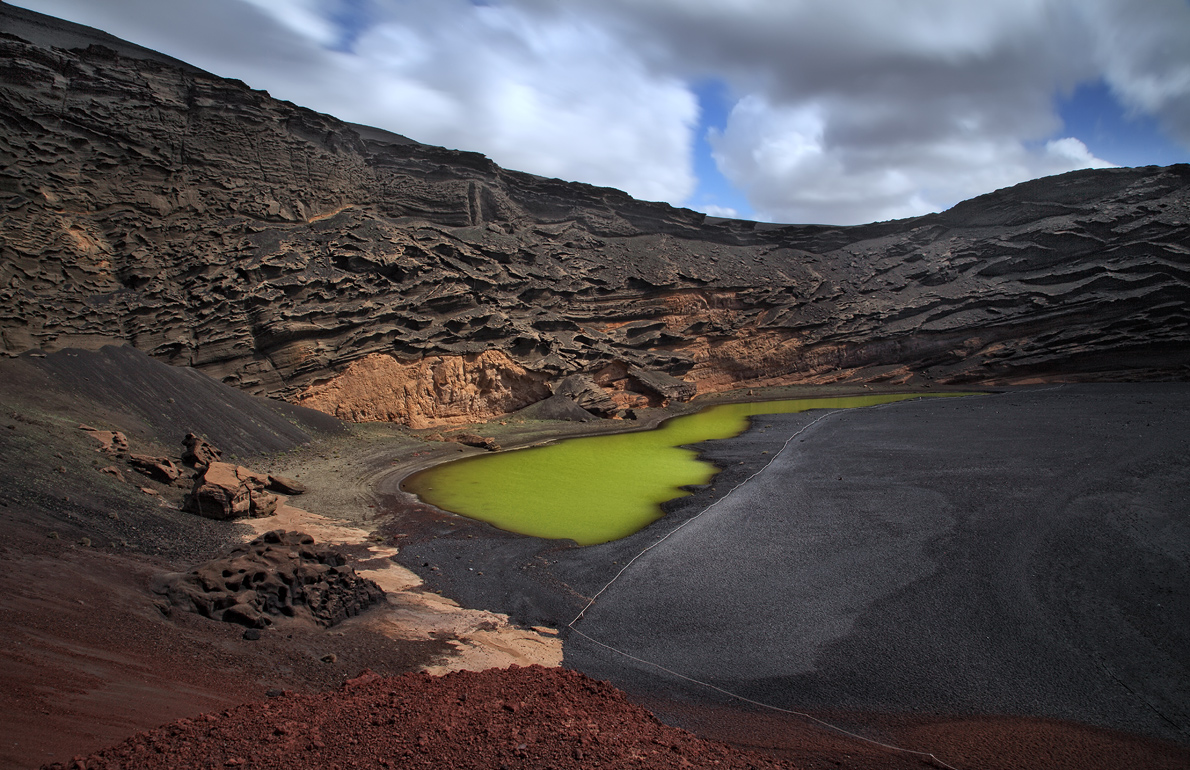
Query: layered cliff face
{"x": 148, "y": 203}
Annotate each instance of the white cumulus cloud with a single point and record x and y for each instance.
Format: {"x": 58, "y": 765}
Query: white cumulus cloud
{"x": 726, "y": 212}
{"x": 850, "y": 111}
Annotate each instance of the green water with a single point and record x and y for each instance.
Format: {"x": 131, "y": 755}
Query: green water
{"x": 598, "y": 488}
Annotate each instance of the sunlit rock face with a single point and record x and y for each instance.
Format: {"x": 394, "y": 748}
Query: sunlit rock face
{"x": 149, "y": 203}
{"x": 434, "y": 390}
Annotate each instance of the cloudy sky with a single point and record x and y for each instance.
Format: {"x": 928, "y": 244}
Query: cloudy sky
{"x": 829, "y": 111}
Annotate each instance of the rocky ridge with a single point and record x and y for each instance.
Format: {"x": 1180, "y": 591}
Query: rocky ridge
{"x": 151, "y": 204}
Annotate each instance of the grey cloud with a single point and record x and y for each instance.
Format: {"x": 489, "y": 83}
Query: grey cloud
{"x": 1144, "y": 51}
{"x": 914, "y": 105}
{"x": 548, "y": 94}
{"x": 848, "y": 110}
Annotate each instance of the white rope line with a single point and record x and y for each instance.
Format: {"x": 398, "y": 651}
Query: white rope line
{"x": 624, "y": 569}
{"x": 802, "y": 714}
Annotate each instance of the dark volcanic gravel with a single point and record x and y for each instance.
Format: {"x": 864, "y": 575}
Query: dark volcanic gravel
{"x": 1021, "y": 553}
{"x": 1012, "y": 554}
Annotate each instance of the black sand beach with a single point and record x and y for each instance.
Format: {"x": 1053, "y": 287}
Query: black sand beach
{"x": 950, "y": 576}
{"x": 1020, "y": 553}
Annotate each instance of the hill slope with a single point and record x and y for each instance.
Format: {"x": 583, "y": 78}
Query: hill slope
{"x": 149, "y": 203}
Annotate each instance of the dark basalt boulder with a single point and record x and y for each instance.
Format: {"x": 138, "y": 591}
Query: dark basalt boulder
{"x": 278, "y": 575}
{"x": 667, "y": 387}
{"x": 581, "y": 389}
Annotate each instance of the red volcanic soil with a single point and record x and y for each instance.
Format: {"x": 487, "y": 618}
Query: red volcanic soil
{"x": 539, "y": 717}
{"x": 521, "y": 717}
{"x": 922, "y": 741}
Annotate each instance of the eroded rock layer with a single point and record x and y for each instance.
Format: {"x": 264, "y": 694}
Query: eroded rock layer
{"x": 148, "y": 203}
{"x": 427, "y": 391}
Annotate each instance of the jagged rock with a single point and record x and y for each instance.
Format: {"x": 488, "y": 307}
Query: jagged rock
{"x": 667, "y": 387}
{"x": 112, "y": 470}
{"x": 630, "y": 386}
{"x": 199, "y": 452}
{"x": 286, "y": 485}
{"x": 583, "y": 390}
{"x": 460, "y": 288}
{"x": 278, "y": 575}
{"x": 470, "y": 439}
{"x": 162, "y": 469}
{"x": 224, "y": 491}
{"x": 111, "y": 442}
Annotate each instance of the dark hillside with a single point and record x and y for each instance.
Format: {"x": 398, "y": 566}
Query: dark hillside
{"x": 361, "y": 273}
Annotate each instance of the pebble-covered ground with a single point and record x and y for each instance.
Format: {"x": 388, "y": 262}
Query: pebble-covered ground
{"x": 531, "y": 717}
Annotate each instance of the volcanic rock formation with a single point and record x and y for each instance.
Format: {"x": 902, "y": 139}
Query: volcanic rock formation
{"x": 199, "y": 452}
{"x": 148, "y": 203}
{"x": 279, "y": 574}
{"x": 224, "y": 491}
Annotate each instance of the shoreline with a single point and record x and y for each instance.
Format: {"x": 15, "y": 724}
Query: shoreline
{"x": 434, "y": 557}
{"x": 883, "y": 565}
{"x": 542, "y": 582}
{"x": 186, "y": 664}
{"x": 548, "y": 582}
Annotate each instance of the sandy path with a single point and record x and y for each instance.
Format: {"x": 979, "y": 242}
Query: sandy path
{"x": 480, "y": 639}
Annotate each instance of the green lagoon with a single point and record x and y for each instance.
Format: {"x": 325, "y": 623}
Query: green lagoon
{"x": 599, "y": 488}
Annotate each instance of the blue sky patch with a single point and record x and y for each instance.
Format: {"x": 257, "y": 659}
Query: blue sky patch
{"x": 1093, "y": 115}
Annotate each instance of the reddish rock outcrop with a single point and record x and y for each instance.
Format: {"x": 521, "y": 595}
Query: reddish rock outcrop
{"x": 199, "y": 452}
{"x": 162, "y": 469}
{"x": 481, "y": 442}
{"x": 439, "y": 390}
{"x": 224, "y": 491}
{"x": 111, "y": 442}
{"x": 286, "y": 485}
